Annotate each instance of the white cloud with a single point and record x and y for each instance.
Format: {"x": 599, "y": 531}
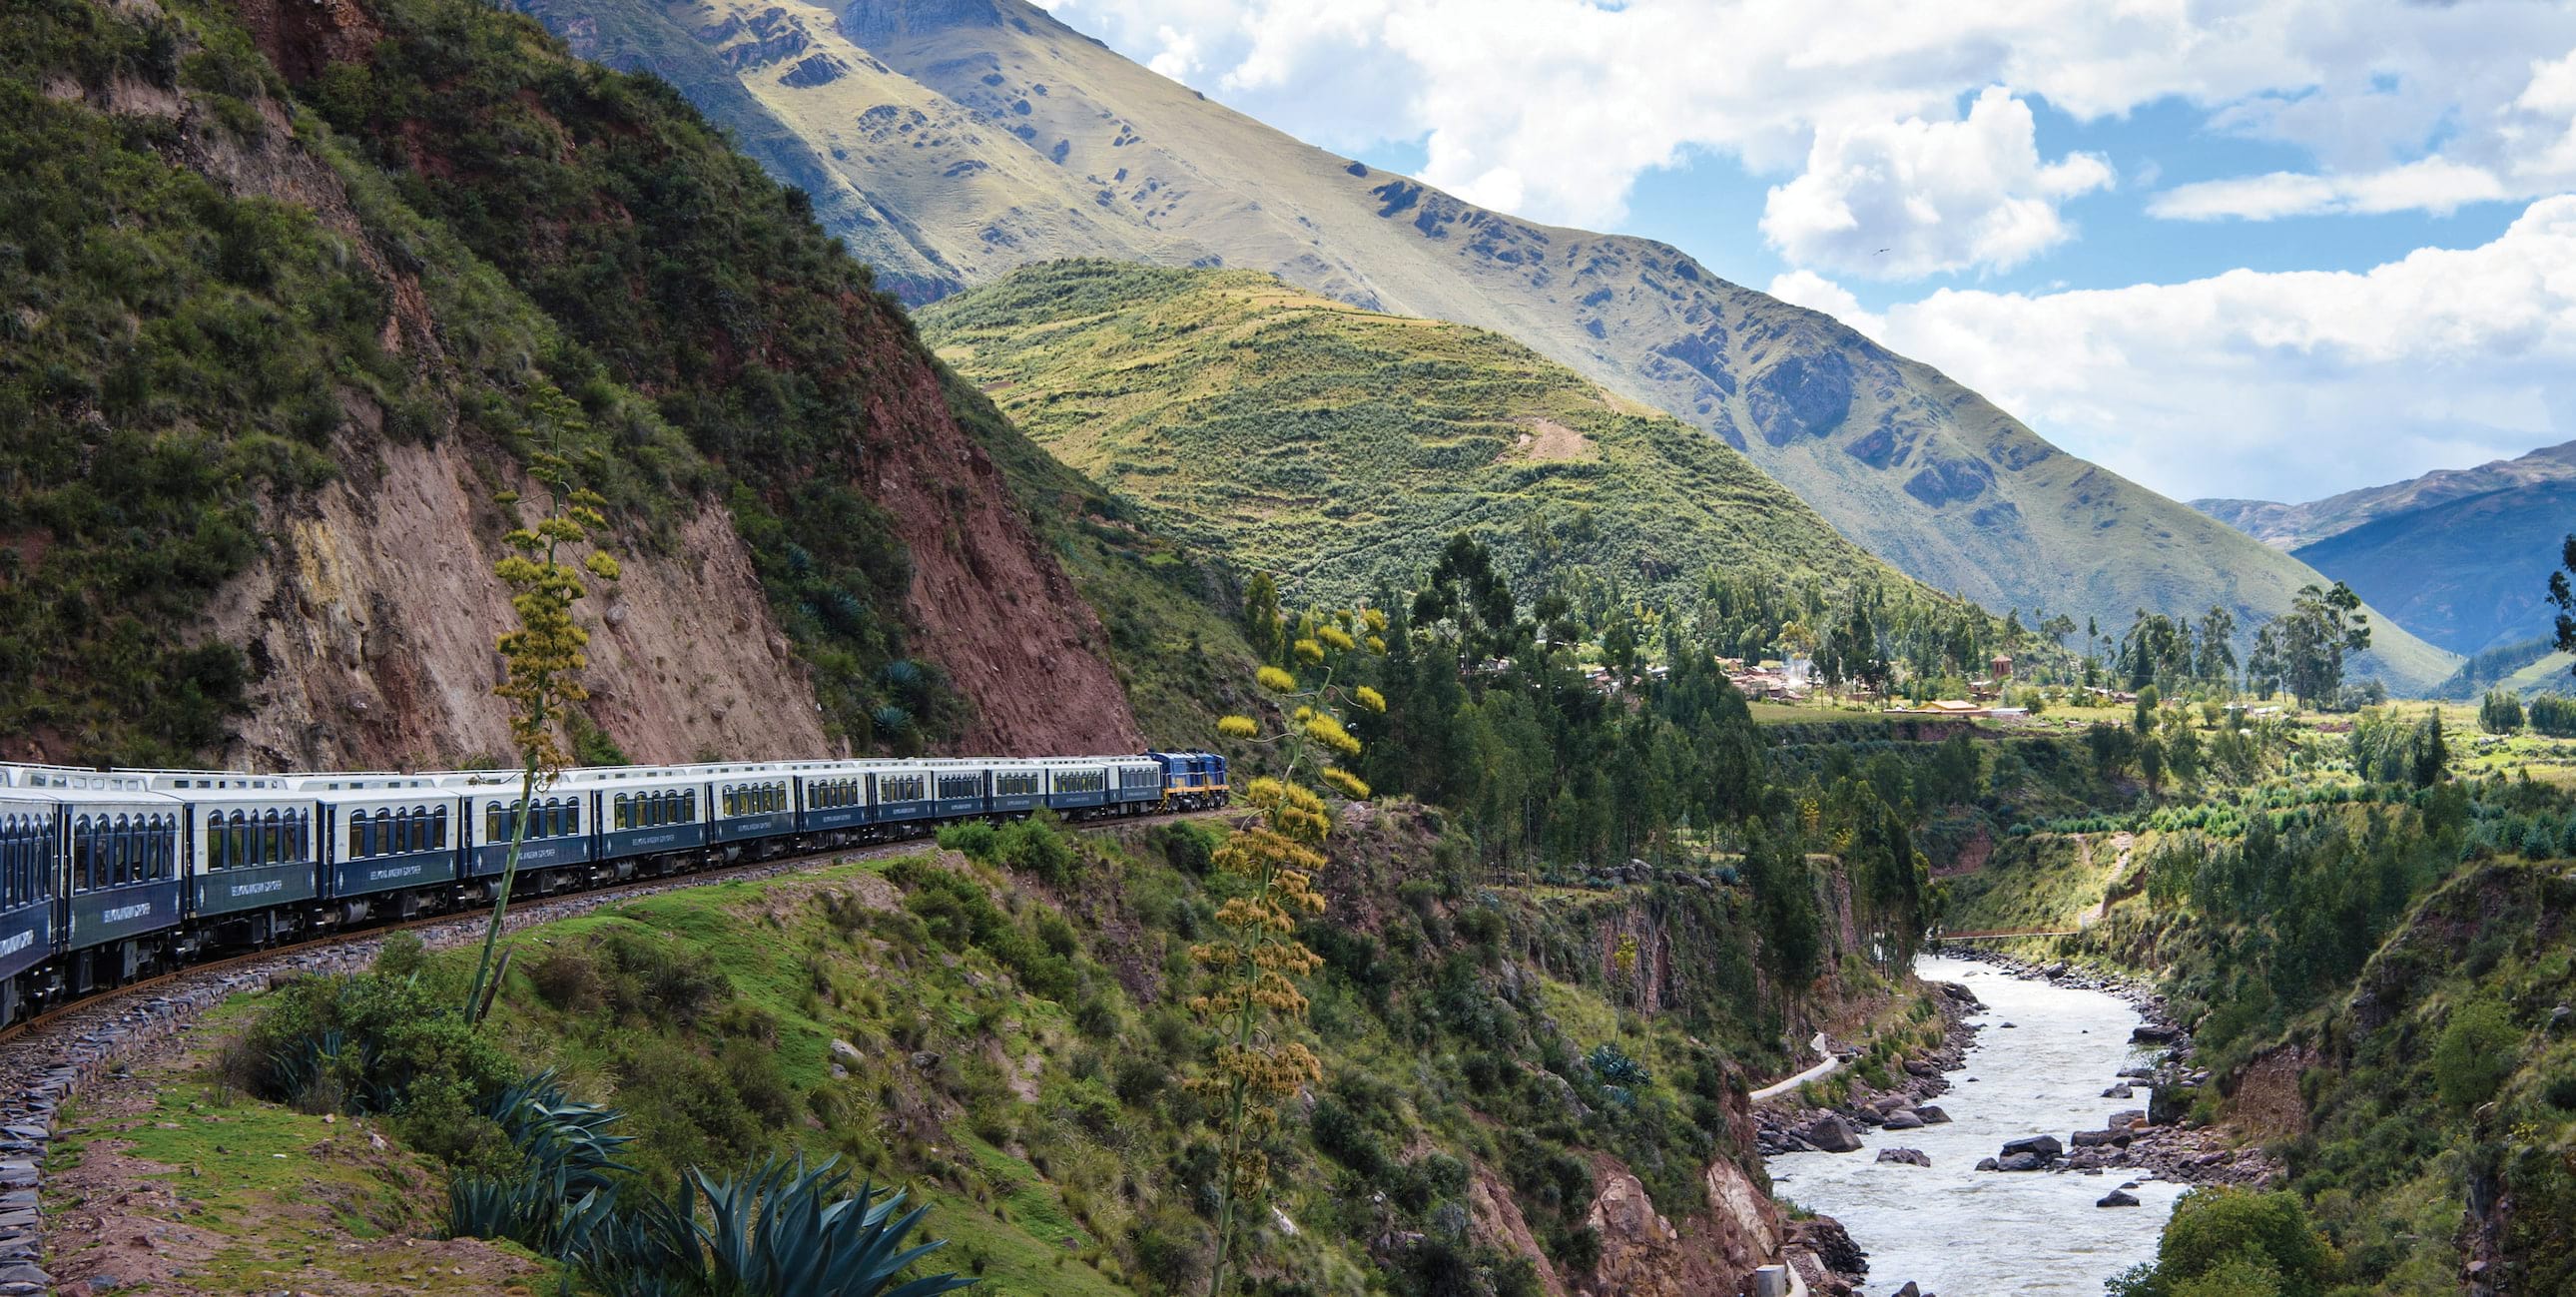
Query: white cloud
{"x": 1900, "y": 200}
{"x": 1179, "y": 56}
{"x": 2235, "y": 384}
{"x": 1553, "y": 108}
{"x": 1815, "y": 292}
{"x": 2435, "y": 185}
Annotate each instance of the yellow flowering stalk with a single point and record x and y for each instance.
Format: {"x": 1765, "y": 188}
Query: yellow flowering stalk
{"x": 1254, "y": 967}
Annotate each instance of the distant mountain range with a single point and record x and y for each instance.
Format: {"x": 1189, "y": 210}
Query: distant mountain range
{"x": 951, "y": 141}
{"x": 2461, "y": 557}
{"x": 2294, "y": 526}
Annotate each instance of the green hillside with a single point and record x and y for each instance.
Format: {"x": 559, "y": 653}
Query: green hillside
{"x": 1341, "y": 447}
{"x": 952, "y": 141}
{"x": 286, "y": 303}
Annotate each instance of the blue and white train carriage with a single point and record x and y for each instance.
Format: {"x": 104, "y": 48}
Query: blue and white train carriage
{"x": 111, "y": 875}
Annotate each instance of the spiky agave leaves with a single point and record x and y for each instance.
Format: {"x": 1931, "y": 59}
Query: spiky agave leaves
{"x": 565, "y": 1194}
{"x": 782, "y": 1229}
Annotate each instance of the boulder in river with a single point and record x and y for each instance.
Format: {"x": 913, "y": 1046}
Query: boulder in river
{"x": 1989, "y": 1164}
{"x": 2127, "y": 1117}
{"x": 1908, "y": 1156}
{"x": 2120, "y": 1091}
{"x": 2044, "y": 1147}
{"x": 2153, "y": 1034}
{"x": 1833, "y": 1134}
{"x": 1931, "y": 1115}
{"x": 2118, "y": 1198}
{"x": 2098, "y": 1138}
{"x": 2021, "y": 1162}
{"x": 1909, "y": 1290}
{"x": 1904, "y": 1119}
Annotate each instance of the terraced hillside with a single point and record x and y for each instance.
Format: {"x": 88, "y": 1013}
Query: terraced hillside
{"x": 1342, "y": 447}
{"x": 951, "y": 141}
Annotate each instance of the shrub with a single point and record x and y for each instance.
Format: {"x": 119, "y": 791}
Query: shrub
{"x": 2478, "y": 1049}
{"x": 370, "y": 1043}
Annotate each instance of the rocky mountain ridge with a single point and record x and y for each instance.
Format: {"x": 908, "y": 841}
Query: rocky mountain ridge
{"x": 951, "y": 142}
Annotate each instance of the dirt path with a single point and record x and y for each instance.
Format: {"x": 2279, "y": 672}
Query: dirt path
{"x": 2125, "y": 843}
{"x": 1818, "y": 1072}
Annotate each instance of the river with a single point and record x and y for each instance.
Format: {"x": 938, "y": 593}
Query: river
{"x": 1961, "y": 1232}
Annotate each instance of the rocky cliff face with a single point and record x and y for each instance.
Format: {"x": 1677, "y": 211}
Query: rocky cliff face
{"x": 365, "y": 614}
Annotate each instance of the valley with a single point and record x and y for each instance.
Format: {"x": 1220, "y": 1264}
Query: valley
{"x": 777, "y": 650}
{"x": 952, "y": 143}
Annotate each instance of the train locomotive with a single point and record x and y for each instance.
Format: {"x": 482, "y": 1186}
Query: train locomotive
{"x": 111, "y": 876}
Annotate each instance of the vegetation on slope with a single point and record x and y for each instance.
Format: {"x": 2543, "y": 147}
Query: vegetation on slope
{"x": 2368, "y": 943}
{"x": 232, "y": 285}
{"x": 955, "y": 143}
{"x": 1339, "y": 447}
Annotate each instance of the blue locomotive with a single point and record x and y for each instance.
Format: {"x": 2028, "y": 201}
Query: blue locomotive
{"x": 107, "y": 876}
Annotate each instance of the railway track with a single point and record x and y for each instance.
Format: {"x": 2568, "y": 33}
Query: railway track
{"x": 524, "y": 912}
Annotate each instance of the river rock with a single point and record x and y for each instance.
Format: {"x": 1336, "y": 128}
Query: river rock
{"x": 1833, "y": 1134}
{"x": 1989, "y": 1164}
{"x": 2153, "y": 1034}
{"x": 2101, "y": 1138}
{"x": 1903, "y": 1119}
{"x": 2128, "y": 1117}
{"x": 2120, "y": 1091}
{"x": 2118, "y": 1198}
{"x": 2021, "y": 1162}
{"x": 1908, "y": 1156}
{"x": 2137, "y": 1073}
{"x": 2044, "y": 1147}
{"x": 1931, "y": 1115}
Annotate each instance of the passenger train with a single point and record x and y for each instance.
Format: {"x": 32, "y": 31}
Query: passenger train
{"x": 108, "y": 876}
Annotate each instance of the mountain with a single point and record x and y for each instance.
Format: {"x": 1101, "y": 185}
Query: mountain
{"x": 2295, "y": 526}
{"x": 2468, "y": 574}
{"x": 951, "y": 141}
{"x": 1342, "y": 447}
{"x": 294, "y": 293}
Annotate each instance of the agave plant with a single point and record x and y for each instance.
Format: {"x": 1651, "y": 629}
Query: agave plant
{"x": 781, "y": 1230}
{"x": 333, "y": 1068}
{"x": 565, "y": 1195}
{"x": 559, "y": 1134}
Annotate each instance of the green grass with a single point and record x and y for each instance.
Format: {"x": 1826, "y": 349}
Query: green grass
{"x": 1341, "y": 447}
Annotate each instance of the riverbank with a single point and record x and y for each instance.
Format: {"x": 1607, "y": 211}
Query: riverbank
{"x": 2164, "y": 1140}
{"x": 2028, "y": 1077}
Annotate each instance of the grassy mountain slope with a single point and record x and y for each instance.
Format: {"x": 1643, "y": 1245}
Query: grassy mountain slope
{"x": 295, "y": 287}
{"x": 984, "y": 135}
{"x": 2468, "y": 574}
{"x": 2295, "y": 526}
{"x": 1342, "y": 447}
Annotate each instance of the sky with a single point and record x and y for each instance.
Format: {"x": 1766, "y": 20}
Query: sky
{"x": 2269, "y": 250}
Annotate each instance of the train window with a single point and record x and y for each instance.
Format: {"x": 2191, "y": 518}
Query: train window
{"x": 386, "y": 843}
{"x": 619, "y": 809}
{"x": 357, "y": 835}
{"x": 272, "y": 838}
{"x": 215, "y": 857}
{"x": 572, "y": 815}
